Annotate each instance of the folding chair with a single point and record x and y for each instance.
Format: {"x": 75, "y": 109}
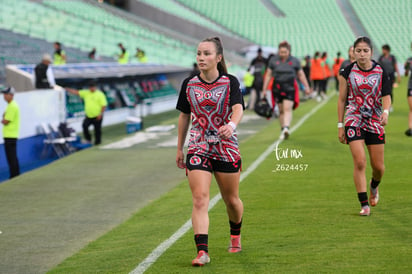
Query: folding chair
{"x": 55, "y": 143}
{"x": 66, "y": 145}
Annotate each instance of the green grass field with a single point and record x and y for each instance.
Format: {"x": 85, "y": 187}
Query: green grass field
{"x": 295, "y": 221}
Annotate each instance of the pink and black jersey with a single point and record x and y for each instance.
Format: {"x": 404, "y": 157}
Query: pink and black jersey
{"x": 365, "y": 91}
{"x": 211, "y": 107}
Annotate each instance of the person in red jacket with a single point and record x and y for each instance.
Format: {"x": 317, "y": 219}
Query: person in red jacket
{"x": 337, "y": 63}
{"x": 327, "y": 74}
{"x": 317, "y": 73}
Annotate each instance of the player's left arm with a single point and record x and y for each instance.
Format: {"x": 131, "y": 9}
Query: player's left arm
{"x": 398, "y": 75}
{"x": 226, "y": 131}
{"x": 304, "y": 81}
{"x": 386, "y": 104}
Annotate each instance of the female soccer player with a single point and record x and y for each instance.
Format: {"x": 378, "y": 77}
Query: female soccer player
{"x": 285, "y": 69}
{"x": 366, "y": 87}
{"x": 214, "y": 101}
{"x": 408, "y": 67}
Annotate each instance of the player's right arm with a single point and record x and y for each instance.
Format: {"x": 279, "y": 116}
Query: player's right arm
{"x": 343, "y": 94}
{"x": 72, "y": 91}
{"x": 182, "y": 128}
{"x": 266, "y": 80}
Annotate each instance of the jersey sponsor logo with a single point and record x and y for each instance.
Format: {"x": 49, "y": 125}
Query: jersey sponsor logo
{"x": 195, "y": 160}
{"x": 351, "y": 133}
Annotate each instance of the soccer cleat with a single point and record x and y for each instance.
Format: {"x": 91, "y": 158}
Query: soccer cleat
{"x": 365, "y": 211}
{"x": 408, "y": 132}
{"x": 201, "y": 259}
{"x": 234, "y": 245}
{"x": 374, "y": 197}
{"x": 284, "y": 134}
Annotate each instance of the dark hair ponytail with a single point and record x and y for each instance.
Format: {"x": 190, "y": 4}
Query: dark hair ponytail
{"x": 221, "y": 66}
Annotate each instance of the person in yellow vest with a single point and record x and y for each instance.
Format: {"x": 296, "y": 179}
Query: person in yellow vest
{"x": 11, "y": 127}
{"x": 248, "y": 79}
{"x": 95, "y": 103}
{"x": 123, "y": 57}
{"x": 141, "y": 56}
{"x": 59, "y": 56}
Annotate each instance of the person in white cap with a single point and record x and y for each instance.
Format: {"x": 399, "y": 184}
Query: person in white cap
{"x": 43, "y": 74}
{"x": 11, "y": 127}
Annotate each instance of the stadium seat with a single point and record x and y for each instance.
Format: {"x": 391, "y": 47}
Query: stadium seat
{"x": 387, "y": 22}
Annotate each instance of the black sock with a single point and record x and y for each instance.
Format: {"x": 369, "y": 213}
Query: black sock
{"x": 363, "y": 198}
{"x": 201, "y": 241}
{"x": 235, "y": 228}
{"x": 374, "y": 184}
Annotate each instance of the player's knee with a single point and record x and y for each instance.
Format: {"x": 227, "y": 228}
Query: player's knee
{"x": 360, "y": 164}
{"x": 379, "y": 169}
{"x": 233, "y": 202}
{"x": 200, "y": 202}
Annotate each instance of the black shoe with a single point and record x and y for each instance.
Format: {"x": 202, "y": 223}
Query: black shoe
{"x": 408, "y": 132}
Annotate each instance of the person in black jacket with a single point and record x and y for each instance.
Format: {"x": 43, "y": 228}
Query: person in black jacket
{"x": 44, "y": 78}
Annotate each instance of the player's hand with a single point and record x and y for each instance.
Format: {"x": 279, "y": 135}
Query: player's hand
{"x": 341, "y": 135}
{"x": 225, "y": 132}
{"x": 180, "y": 159}
{"x": 384, "y": 119}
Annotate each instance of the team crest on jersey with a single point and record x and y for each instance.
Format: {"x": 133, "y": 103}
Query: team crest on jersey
{"x": 208, "y": 95}
{"x": 351, "y": 133}
{"x": 195, "y": 160}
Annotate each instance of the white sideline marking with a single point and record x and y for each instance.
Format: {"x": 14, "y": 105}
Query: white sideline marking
{"x": 160, "y": 249}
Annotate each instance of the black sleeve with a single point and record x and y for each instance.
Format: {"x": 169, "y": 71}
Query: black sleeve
{"x": 393, "y": 61}
{"x": 182, "y": 103}
{"x": 386, "y": 84}
{"x": 253, "y": 62}
{"x": 346, "y": 71}
{"x": 236, "y": 96}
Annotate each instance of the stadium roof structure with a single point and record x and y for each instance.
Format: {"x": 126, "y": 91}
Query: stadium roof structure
{"x": 21, "y": 76}
{"x": 102, "y": 70}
